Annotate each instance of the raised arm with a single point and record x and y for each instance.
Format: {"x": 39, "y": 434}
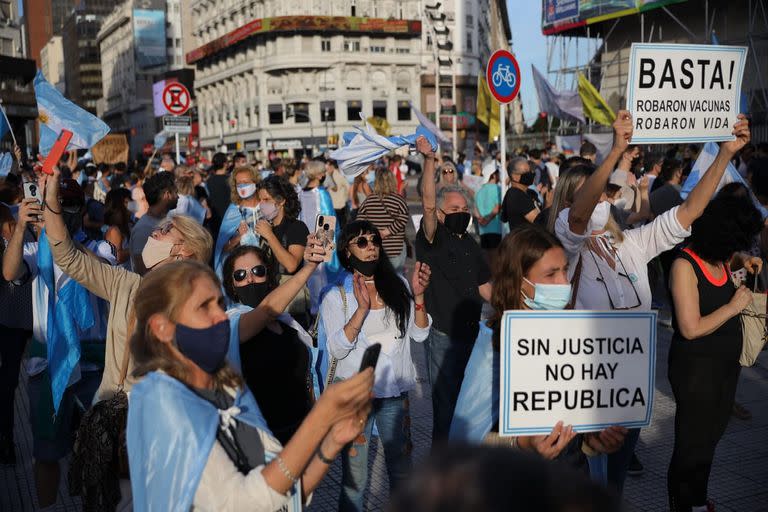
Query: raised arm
{"x": 428, "y": 189}
{"x": 588, "y": 195}
{"x": 274, "y": 304}
{"x": 699, "y": 197}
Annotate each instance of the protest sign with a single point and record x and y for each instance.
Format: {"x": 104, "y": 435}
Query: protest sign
{"x": 684, "y": 92}
{"x": 590, "y": 369}
{"x": 113, "y": 148}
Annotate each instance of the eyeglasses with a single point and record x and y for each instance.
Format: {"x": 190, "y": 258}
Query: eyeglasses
{"x": 447, "y": 171}
{"x": 165, "y": 229}
{"x": 241, "y": 273}
{"x": 362, "y": 241}
{"x": 624, "y": 274}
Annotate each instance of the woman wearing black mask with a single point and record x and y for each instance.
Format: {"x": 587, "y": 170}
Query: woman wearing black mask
{"x": 518, "y": 207}
{"x": 375, "y": 305}
{"x": 279, "y": 356}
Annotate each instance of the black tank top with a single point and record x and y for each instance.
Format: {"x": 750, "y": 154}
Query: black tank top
{"x": 725, "y": 342}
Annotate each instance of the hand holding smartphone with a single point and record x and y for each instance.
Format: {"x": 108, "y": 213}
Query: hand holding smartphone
{"x": 32, "y": 191}
{"x": 325, "y": 232}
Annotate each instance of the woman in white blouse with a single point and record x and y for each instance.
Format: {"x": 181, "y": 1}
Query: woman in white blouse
{"x": 608, "y": 266}
{"x": 374, "y": 305}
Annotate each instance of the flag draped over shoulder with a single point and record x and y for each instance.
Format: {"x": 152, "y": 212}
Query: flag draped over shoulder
{"x": 593, "y": 104}
{"x": 565, "y": 105}
{"x": 705, "y": 159}
{"x": 57, "y": 113}
{"x": 69, "y": 313}
{"x": 365, "y": 146}
{"x": 487, "y": 109}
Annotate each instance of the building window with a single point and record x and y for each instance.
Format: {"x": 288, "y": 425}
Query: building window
{"x": 353, "y": 10}
{"x": 377, "y": 49}
{"x": 327, "y": 111}
{"x": 351, "y": 45}
{"x": 353, "y": 110}
{"x": 300, "y": 112}
{"x": 275, "y": 114}
{"x": 403, "y": 111}
{"x": 325, "y": 45}
{"x": 469, "y": 41}
{"x": 380, "y": 109}
{"x": 403, "y": 50}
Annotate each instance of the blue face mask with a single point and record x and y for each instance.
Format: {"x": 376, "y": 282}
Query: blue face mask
{"x": 548, "y": 296}
{"x": 207, "y": 348}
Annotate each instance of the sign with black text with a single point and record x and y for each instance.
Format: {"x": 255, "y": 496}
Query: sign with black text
{"x": 590, "y": 369}
{"x": 684, "y": 92}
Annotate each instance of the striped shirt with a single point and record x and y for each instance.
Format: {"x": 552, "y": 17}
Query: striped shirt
{"x": 389, "y": 211}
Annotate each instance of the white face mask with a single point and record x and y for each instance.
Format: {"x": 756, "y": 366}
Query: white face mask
{"x": 600, "y": 216}
{"x": 246, "y": 190}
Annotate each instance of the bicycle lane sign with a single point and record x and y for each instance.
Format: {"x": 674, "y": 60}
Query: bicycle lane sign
{"x": 503, "y": 76}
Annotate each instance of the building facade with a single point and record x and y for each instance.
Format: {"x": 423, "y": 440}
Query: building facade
{"x": 273, "y": 74}
{"x": 52, "y": 62}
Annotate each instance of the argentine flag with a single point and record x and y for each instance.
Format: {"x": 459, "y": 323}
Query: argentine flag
{"x": 57, "y": 113}
{"x": 705, "y": 159}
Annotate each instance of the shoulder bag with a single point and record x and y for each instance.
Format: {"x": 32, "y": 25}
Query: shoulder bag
{"x": 753, "y": 323}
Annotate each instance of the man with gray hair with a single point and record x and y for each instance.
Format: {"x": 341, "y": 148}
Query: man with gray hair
{"x": 518, "y": 207}
{"x": 454, "y": 298}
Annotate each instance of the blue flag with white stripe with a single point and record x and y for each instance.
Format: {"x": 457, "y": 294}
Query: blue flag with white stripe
{"x": 731, "y": 175}
{"x": 69, "y": 312}
{"x": 57, "y": 113}
{"x": 6, "y": 162}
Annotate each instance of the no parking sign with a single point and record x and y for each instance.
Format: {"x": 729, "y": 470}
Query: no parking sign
{"x": 503, "y": 76}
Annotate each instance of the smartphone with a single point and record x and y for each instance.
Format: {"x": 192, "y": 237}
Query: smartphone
{"x": 31, "y": 190}
{"x": 370, "y": 357}
{"x": 54, "y": 156}
{"x": 325, "y": 231}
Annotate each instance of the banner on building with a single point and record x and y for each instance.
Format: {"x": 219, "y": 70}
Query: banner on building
{"x": 112, "y": 149}
{"x": 561, "y": 15}
{"x": 684, "y": 92}
{"x": 589, "y": 369}
{"x": 149, "y": 35}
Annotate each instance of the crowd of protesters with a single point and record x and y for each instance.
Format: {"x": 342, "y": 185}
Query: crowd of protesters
{"x": 208, "y": 323}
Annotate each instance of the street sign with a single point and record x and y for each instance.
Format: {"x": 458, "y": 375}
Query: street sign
{"x": 176, "y": 98}
{"x": 177, "y": 124}
{"x": 503, "y": 76}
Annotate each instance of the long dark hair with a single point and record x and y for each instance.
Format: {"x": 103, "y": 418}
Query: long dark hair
{"x": 115, "y": 212}
{"x": 229, "y": 268}
{"x": 391, "y": 288}
{"x": 282, "y": 190}
{"x": 728, "y": 225}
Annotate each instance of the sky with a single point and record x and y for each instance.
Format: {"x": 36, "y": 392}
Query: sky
{"x": 530, "y": 47}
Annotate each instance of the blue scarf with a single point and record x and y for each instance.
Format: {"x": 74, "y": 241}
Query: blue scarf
{"x": 71, "y": 314}
{"x": 170, "y": 434}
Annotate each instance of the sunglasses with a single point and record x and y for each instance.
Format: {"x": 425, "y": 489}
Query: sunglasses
{"x": 165, "y": 229}
{"x": 362, "y": 241}
{"x": 448, "y": 171}
{"x": 241, "y": 273}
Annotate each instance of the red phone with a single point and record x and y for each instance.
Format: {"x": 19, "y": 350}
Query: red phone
{"x": 52, "y": 160}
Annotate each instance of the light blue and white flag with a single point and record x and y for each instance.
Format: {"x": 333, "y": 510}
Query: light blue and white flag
{"x": 743, "y": 100}
{"x": 365, "y": 146}
{"x": 6, "y": 162}
{"x": 57, "y": 113}
{"x": 564, "y": 105}
{"x": 429, "y": 125}
{"x": 160, "y": 139}
{"x": 4, "y": 126}
{"x": 705, "y": 159}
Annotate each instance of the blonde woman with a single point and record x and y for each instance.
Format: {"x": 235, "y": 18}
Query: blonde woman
{"x": 388, "y": 211}
{"x": 196, "y": 437}
{"x": 241, "y": 216}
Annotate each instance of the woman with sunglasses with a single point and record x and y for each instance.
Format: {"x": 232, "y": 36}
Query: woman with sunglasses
{"x": 449, "y": 177}
{"x": 375, "y": 305}
{"x": 531, "y": 273}
{"x": 278, "y": 357}
{"x": 196, "y": 437}
{"x": 609, "y": 267}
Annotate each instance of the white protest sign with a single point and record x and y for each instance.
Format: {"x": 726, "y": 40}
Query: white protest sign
{"x": 590, "y": 369}
{"x": 684, "y": 92}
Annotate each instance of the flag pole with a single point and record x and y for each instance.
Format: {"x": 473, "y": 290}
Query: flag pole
{"x": 10, "y": 128}
{"x": 503, "y": 146}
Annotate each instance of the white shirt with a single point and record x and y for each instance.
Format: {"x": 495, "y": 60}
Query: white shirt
{"x": 640, "y": 246}
{"x": 395, "y": 372}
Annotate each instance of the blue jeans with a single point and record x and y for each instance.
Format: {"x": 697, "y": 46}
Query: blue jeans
{"x": 393, "y": 420}
{"x": 446, "y": 361}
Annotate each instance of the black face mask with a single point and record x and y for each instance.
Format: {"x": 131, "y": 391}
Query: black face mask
{"x": 457, "y": 223}
{"x": 252, "y": 294}
{"x": 527, "y": 179}
{"x": 367, "y": 268}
